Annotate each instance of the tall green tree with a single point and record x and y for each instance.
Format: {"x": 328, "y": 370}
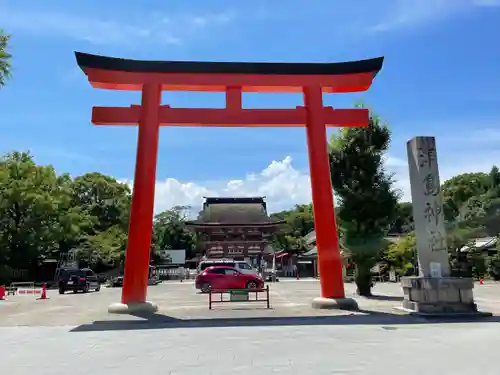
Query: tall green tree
{"x": 35, "y": 212}
{"x": 171, "y": 232}
{"x": 106, "y": 203}
{"x": 5, "y": 58}
{"x": 365, "y": 190}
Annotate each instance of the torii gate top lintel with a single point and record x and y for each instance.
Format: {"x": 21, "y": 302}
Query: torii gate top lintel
{"x": 126, "y": 74}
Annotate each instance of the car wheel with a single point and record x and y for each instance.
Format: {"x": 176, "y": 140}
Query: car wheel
{"x": 98, "y": 288}
{"x": 205, "y": 288}
{"x": 61, "y": 290}
{"x": 75, "y": 291}
{"x": 85, "y": 288}
{"x": 251, "y": 285}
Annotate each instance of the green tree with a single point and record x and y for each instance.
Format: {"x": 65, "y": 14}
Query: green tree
{"x": 171, "y": 231}
{"x": 72, "y": 223}
{"x": 35, "y": 216}
{"x": 103, "y": 198}
{"x": 367, "y": 198}
{"x": 106, "y": 248}
{"x": 404, "y": 219}
{"x": 401, "y": 255}
{"x": 299, "y": 221}
{"x": 5, "y": 58}
{"x": 461, "y": 235}
{"x": 494, "y": 178}
{"x": 493, "y": 267}
{"x": 476, "y": 198}
{"x": 105, "y": 202}
{"x": 459, "y": 189}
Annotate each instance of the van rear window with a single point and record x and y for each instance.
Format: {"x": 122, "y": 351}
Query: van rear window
{"x": 66, "y": 273}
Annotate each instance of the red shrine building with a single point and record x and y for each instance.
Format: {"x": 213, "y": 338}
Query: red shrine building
{"x": 236, "y": 228}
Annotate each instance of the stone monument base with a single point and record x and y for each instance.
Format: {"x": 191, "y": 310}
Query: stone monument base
{"x": 445, "y": 296}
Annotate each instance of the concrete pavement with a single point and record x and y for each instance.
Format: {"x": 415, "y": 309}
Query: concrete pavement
{"x": 324, "y": 349}
{"x": 73, "y": 333}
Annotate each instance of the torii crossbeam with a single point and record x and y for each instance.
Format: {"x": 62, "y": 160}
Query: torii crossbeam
{"x": 153, "y": 77}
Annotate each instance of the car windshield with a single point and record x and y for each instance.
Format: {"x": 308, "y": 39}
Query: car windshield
{"x": 245, "y": 266}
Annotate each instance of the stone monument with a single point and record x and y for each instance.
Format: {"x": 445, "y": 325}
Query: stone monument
{"x": 433, "y": 291}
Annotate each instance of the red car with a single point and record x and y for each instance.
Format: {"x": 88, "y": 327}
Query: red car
{"x": 222, "y": 277}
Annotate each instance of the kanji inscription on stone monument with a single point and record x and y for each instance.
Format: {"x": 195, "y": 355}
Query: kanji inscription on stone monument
{"x": 427, "y": 207}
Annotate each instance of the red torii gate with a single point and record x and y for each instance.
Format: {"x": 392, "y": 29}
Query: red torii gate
{"x": 233, "y": 78}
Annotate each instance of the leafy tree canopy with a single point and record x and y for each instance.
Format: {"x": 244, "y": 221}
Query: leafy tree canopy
{"x": 5, "y": 58}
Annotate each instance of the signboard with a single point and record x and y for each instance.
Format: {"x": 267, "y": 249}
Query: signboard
{"x": 392, "y": 276}
{"x": 173, "y": 256}
{"x": 435, "y": 268}
{"x": 238, "y": 295}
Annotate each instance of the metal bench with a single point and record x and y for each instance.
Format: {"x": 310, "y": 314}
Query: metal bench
{"x": 239, "y": 296}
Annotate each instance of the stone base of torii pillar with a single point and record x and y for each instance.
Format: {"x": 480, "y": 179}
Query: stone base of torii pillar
{"x": 133, "y": 308}
{"x": 433, "y": 292}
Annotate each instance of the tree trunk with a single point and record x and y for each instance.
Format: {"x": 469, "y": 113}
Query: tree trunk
{"x": 364, "y": 289}
{"x": 363, "y": 280}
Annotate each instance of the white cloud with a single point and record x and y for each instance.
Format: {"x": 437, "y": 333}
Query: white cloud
{"x": 145, "y": 28}
{"x": 408, "y": 13}
{"x": 281, "y": 184}
{"x": 284, "y": 186}
{"x": 174, "y": 29}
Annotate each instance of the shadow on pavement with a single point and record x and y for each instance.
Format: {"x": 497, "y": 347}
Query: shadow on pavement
{"x": 158, "y": 321}
{"x": 377, "y": 297}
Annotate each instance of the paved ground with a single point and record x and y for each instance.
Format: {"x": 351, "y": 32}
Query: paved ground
{"x": 181, "y": 303}
{"x": 74, "y": 333}
{"x": 177, "y": 301}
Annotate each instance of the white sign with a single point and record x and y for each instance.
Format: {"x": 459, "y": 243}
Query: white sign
{"x": 173, "y": 256}
{"x": 435, "y": 268}
{"x": 392, "y": 276}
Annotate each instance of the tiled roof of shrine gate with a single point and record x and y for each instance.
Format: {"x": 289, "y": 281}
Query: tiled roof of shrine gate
{"x": 234, "y": 211}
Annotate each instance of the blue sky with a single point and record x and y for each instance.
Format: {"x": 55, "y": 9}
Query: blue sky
{"x": 439, "y": 78}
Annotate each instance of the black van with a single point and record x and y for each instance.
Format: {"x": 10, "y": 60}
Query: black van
{"x": 78, "y": 279}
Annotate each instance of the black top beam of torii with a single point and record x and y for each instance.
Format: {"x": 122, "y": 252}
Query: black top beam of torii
{"x": 89, "y": 61}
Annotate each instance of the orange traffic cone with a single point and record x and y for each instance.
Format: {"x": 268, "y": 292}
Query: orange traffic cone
{"x": 44, "y": 292}
{"x": 2, "y": 293}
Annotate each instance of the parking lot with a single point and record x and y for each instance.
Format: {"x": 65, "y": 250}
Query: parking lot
{"x": 180, "y": 301}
